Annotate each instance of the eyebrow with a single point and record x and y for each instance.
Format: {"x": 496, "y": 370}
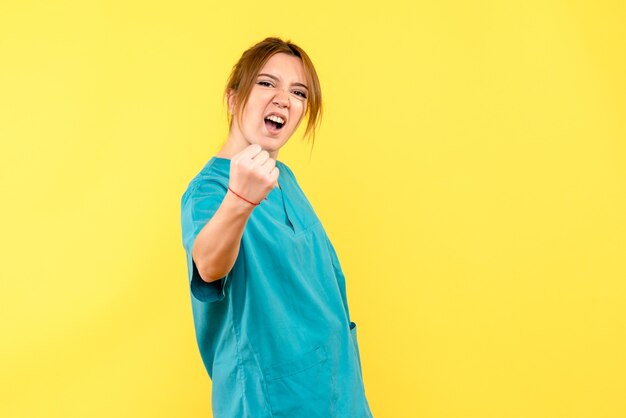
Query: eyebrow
{"x": 273, "y": 77}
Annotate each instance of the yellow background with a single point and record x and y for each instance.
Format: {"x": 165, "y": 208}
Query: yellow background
{"x": 470, "y": 170}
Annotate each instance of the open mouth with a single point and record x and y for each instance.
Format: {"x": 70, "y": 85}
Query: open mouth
{"x": 274, "y": 123}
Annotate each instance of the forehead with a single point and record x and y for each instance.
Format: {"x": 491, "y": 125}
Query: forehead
{"x": 286, "y": 67}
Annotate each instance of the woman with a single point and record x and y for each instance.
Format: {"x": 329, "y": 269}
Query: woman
{"x": 268, "y": 294}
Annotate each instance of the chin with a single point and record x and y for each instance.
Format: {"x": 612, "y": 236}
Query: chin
{"x": 272, "y": 144}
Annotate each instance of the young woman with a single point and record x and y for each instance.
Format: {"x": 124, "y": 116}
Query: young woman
{"x": 267, "y": 290}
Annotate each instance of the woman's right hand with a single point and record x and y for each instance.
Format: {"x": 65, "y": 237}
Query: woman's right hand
{"x": 253, "y": 173}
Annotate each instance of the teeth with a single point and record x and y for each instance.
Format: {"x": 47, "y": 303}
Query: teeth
{"x": 276, "y": 119}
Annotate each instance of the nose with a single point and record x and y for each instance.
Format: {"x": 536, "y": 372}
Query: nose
{"x": 281, "y": 99}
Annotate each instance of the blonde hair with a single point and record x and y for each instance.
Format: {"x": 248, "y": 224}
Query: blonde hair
{"x": 244, "y": 74}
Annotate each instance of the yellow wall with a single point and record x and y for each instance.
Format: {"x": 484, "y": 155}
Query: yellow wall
{"x": 470, "y": 169}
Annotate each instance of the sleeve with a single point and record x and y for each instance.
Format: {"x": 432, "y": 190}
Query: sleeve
{"x": 198, "y": 205}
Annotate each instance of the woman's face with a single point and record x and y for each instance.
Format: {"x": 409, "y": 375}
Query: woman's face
{"x": 276, "y": 104}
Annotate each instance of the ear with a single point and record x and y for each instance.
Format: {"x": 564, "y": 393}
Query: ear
{"x": 231, "y": 99}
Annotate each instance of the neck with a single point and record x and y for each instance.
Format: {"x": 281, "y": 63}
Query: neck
{"x": 235, "y": 144}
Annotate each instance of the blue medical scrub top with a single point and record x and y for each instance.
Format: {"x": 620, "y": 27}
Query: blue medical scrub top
{"x": 275, "y": 333}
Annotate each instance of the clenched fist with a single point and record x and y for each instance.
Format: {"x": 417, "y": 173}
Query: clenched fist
{"x": 253, "y": 173}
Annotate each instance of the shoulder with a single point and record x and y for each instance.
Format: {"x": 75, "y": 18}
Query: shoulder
{"x": 285, "y": 168}
{"x": 211, "y": 180}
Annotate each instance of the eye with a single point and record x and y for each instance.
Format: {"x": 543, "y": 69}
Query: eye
{"x": 300, "y": 93}
{"x": 265, "y": 84}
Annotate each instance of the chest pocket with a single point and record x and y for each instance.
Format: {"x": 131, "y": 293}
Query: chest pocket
{"x": 297, "y": 207}
{"x": 303, "y": 386}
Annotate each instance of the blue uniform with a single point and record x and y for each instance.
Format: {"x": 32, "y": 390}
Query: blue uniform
{"x": 275, "y": 333}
